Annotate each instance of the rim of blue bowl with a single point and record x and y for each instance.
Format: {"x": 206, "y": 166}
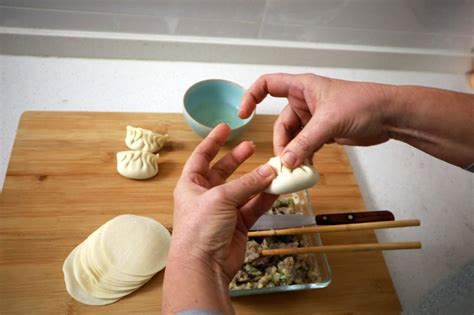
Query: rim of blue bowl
{"x": 209, "y": 80}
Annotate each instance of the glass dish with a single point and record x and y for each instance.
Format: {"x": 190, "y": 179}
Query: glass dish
{"x": 318, "y": 259}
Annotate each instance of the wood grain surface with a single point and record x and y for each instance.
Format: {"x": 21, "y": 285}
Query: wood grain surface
{"x": 62, "y": 184}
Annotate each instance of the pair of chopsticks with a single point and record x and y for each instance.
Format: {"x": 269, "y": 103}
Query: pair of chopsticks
{"x": 339, "y": 228}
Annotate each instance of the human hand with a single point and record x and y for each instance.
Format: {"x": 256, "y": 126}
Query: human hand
{"x": 212, "y": 217}
{"x": 321, "y": 110}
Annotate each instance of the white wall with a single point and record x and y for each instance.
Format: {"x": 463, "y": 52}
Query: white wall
{"x": 392, "y": 176}
{"x": 421, "y": 24}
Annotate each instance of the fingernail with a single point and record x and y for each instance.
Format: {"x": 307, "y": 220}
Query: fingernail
{"x": 252, "y": 143}
{"x": 289, "y": 158}
{"x": 265, "y": 170}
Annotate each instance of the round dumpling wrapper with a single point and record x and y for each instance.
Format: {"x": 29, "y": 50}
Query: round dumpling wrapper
{"x": 73, "y": 287}
{"x": 103, "y": 268}
{"x": 91, "y": 288}
{"x": 97, "y": 278}
{"x": 135, "y": 245}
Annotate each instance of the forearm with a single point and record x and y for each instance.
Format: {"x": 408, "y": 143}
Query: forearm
{"x": 438, "y": 122}
{"x": 192, "y": 283}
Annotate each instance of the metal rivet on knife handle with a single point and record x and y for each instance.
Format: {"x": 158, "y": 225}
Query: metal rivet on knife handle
{"x": 354, "y": 217}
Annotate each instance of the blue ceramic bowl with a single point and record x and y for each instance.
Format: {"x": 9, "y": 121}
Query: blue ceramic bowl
{"x": 211, "y": 102}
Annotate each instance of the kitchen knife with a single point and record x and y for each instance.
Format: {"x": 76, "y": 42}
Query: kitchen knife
{"x": 270, "y": 221}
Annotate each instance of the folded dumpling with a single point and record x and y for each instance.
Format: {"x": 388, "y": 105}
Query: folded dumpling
{"x": 137, "y": 164}
{"x": 290, "y": 181}
{"x": 139, "y": 139}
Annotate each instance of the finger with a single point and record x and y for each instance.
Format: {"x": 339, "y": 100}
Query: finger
{"x": 240, "y": 190}
{"x": 284, "y": 129}
{"x": 198, "y": 162}
{"x": 255, "y": 207}
{"x": 309, "y": 140}
{"x": 277, "y": 84}
{"x": 223, "y": 168}
{"x": 310, "y": 159}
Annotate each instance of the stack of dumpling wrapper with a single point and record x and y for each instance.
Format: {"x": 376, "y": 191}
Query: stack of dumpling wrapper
{"x": 116, "y": 259}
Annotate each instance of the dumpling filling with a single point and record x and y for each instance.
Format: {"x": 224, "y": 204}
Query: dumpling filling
{"x": 271, "y": 271}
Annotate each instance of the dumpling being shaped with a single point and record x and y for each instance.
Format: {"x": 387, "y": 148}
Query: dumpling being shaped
{"x": 137, "y": 164}
{"x": 290, "y": 181}
{"x": 139, "y": 139}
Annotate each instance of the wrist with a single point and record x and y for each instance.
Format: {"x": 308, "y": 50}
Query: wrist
{"x": 193, "y": 258}
{"x": 393, "y": 107}
{"x": 403, "y": 120}
{"x": 193, "y": 282}
{"x": 194, "y": 269}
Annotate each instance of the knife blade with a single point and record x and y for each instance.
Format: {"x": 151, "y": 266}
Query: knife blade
{"x": 270, "y": 221}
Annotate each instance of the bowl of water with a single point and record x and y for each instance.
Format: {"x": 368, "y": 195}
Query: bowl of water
{"x": 211, "y": 102}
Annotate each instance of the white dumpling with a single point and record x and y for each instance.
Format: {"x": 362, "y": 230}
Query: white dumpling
{"x": 139, "y": 139}
{"x": 290, "y": 181}
{"x": 137, "y": 164}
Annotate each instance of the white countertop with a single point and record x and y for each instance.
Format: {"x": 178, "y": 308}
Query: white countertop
{"x": 392, "y": 176}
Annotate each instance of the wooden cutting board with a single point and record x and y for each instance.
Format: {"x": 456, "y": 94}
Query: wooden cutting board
{"x": 62, "y": 184}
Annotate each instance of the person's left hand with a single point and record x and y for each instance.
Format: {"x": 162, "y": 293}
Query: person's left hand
{"x": 212, "y": 217}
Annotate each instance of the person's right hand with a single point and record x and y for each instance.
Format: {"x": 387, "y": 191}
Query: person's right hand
{"x": 321, "y": 110}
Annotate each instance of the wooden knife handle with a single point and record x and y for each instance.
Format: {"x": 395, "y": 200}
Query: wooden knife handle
{"x": 354, "y": 217}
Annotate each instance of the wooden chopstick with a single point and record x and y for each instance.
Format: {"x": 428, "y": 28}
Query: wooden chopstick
{"x": 336, "y": 228}
{"x": 340, "y": 248}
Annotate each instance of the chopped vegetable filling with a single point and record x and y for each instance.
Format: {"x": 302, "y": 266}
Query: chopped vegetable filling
{"x": 271, "y": 271}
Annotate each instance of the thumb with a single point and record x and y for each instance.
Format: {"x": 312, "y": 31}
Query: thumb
{"x": 309, "y": 140}
{"x": 241, "y": 189}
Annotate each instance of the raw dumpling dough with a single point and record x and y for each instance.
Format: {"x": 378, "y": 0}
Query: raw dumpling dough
{"x": 104, "y": 270}
{"x": 139, "y": 139}
{"x": 119, "y": 245}
{"x": 290, "y": 181}
{"x": 96, "y": 290}
{"x": 125, "y": 253}
{"x": 137, "y": 164}
{"x": 73, "y": 287}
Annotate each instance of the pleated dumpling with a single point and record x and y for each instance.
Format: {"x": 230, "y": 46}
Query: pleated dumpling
{"x": 139, "y": 139}
{"x": 289, "y": 181}
{"x": 137, "y": 164}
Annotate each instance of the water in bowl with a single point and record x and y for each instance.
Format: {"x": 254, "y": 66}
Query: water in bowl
{"x": 217, "y": 113}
